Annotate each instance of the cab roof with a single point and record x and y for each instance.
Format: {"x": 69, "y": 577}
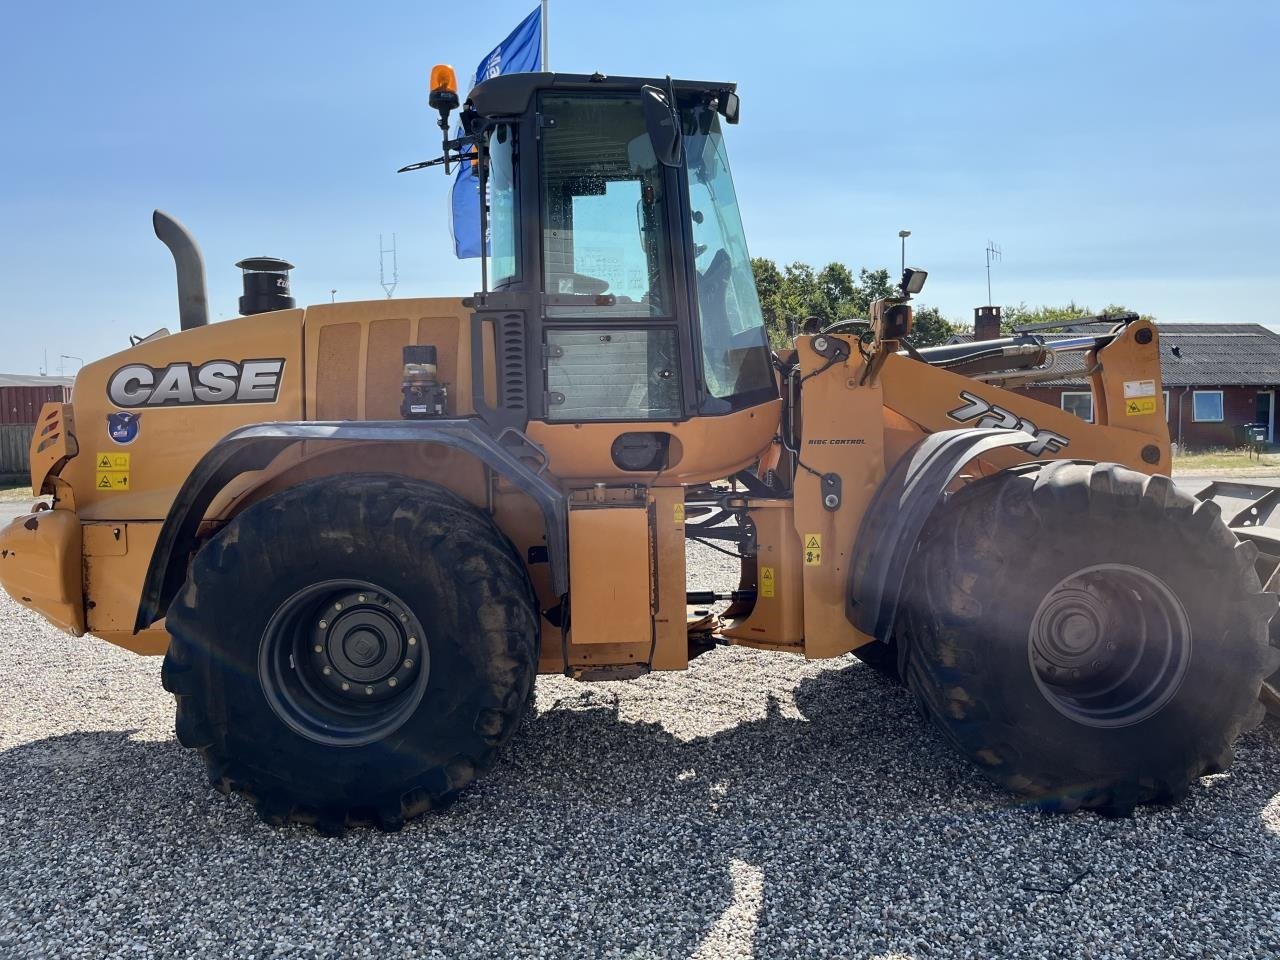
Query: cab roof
{"x": 509, "y": 95}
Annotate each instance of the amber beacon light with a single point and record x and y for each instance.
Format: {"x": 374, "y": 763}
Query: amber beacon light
{"x": 444, "y": 88}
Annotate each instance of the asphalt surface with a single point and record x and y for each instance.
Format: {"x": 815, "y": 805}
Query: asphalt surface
{"x": 753, "y": 806}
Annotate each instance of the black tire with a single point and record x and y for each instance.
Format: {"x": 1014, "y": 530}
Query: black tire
{"x": 882, "y": 658}
{"x": 1102, "y": 688}
{"x": 280, "y": 719}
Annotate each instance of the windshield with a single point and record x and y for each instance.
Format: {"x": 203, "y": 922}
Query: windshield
{"x": 735, "y": 347}
{"x": 604, "y": 213}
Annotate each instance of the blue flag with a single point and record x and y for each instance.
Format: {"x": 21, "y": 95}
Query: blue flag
{"x": 521, "y": 52}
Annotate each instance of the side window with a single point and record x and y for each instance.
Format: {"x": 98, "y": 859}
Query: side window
{"x": 604, "y": 230}
{"x": 504, "y": 226}
{"x": 611, "y": 345}
{"x": 1207, "y": 406}
{"x": 604, "y": 373}
{"x": 1080, "y": 403}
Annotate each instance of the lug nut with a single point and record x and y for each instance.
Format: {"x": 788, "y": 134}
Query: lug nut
{"x": 361, "y": 598}
{"x": 408, "y": 664}
{"x": 346, "y": 686}
{"x": 412, "y": 641}
{"x": 324, "y": 624}
{"x": 337, "y": 606}
{"x": 319, "y": 648}
{"x": 368, "y": 690}
{"x": 327, "y": 671}
{"x": 391, "y": 682}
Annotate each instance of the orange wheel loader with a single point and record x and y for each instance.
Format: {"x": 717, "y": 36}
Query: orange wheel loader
{"x": 356, "y": 532}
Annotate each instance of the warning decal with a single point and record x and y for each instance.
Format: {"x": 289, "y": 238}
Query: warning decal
{"x": 766, "y": 582}
{"x": 111, "y": 471}
{"x": 1139, "y": 388}
{"x": 679, "y": 514}
{"x": 1134, "y": 408}
{"x": 812, "y": 549}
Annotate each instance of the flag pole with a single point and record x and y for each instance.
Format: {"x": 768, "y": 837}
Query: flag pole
{"x": 546, "y": 41}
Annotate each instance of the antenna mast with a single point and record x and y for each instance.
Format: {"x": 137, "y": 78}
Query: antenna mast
{"x": 383, "y": 250}
{"x": 993, "y": 253}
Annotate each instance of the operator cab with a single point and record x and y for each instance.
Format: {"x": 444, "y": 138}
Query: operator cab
{"x": 617, "y": 263}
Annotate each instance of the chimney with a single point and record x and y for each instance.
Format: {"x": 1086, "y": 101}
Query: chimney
{"x": 986, "y": 323}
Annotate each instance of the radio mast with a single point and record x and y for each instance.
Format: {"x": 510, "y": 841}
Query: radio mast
{"x": 383, "y": 250}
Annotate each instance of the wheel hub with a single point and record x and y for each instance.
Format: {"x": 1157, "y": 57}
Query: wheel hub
{"x": 1070, "y": 641}
{"x": 1109, "y": 645}
{"x": 343, "y": 662}
{"x": 361, "y": 646}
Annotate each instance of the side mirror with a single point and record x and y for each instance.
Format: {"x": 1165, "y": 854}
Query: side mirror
{"x": 661, "y": 123}
{"x": 913, "y": 280}
{"x": 728, "y": 107}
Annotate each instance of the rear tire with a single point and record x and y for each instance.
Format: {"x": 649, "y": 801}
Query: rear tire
{"x": 352, "y": 650}
{"x": 1090, "y": 636}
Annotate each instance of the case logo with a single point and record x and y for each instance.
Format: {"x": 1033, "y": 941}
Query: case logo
{"x": 991, "y": 415}
{"x": 122, "y": 427}
{"x": 181, "y": 384}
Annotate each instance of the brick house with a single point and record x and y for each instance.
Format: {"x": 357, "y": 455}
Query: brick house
{"x": 1217, "y": 378}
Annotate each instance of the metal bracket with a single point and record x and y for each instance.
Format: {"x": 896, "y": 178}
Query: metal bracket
{"x": 832, "y": 492}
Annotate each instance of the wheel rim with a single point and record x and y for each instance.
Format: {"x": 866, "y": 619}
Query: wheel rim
{"x": 1109, "y": 645}
{"x": 343, "y": 662}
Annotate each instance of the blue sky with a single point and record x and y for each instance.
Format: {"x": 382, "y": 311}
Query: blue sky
{"x": 1121, "y": 151}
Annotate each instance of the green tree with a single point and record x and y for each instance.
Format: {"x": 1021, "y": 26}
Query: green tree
{"x": 1023, "y": 316}
{"x": 798, "y": 291}
{"x": 930, "y": 328}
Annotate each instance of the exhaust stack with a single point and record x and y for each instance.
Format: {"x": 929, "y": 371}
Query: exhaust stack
{"x": 193, "y": 300}
{"x": 266, "y": 285}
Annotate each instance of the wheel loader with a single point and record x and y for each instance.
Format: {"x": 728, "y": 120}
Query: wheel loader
{"x": 356, "y": 532}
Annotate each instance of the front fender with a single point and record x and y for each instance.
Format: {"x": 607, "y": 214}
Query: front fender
{"x": 892, "y": 524}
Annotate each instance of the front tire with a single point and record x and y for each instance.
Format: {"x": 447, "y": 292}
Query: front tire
{"x": 352, "y": 650}
{"x": 1090, "y": 636}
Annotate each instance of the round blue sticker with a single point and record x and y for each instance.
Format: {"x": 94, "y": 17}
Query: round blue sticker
{"x": 123, "y": 427}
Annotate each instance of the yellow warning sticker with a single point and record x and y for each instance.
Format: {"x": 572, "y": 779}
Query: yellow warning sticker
{"x": 1137, "y": 407}
{"x": 812, "y": 549}
{"x": 112, "y": 480}
{"x": 679, "y": 514}
{"x": 112, "y": 471}
{"x": 766, "y": 582}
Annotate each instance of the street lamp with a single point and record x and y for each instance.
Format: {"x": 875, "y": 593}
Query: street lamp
{"x": 904, "y": 234}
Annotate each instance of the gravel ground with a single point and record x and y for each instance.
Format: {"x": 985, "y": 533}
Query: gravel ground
{"x": 756, "y": 805}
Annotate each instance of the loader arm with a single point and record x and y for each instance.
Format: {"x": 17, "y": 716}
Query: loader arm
{"x": 1130, "y": 427}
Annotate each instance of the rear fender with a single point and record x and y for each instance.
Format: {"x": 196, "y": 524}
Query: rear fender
{"x": 510, "y": 454}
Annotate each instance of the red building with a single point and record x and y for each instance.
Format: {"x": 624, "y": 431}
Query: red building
{"x": 22, "y": 395}
{"x": 1218, "y": 378}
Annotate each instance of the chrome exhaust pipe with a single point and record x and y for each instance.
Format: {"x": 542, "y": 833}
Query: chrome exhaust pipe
{"x": 193, "y": 300}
